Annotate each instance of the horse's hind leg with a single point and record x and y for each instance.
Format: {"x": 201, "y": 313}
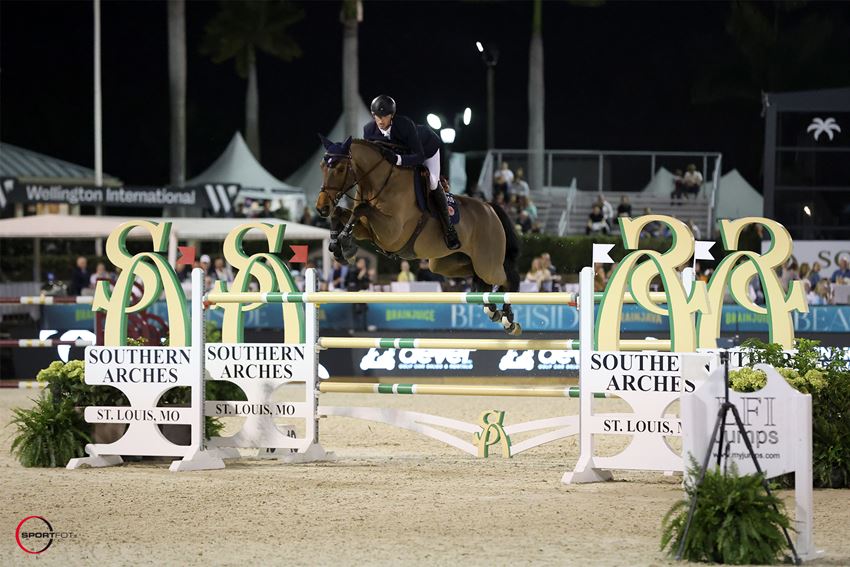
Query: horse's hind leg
{"x": 490, "y": 309}
{"x": 512, "y": 276}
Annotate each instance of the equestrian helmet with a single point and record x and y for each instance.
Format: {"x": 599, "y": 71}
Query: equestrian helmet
{"x": 383, "y": 105}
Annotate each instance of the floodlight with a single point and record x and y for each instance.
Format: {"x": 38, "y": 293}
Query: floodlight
{"x": 467, "y": 116}
{"x": 434, "y": 121}
{"x": 448, "y": 135}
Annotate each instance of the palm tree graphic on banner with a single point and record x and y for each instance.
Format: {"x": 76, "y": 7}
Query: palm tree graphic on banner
{"x": 820, "y": 126}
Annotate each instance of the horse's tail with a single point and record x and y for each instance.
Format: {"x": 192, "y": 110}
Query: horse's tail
{"x": 512, "y": 248}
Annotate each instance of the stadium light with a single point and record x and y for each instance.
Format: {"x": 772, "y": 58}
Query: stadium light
{"x": 434, "y": 121}
{"x": 479, "y": 46}
{"x": 448, "y": 135}
{"x": 807, "y": 210}
{"x": 467, "y": 116}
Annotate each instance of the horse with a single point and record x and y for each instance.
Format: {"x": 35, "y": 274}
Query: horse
{"x": 385, "y": 213}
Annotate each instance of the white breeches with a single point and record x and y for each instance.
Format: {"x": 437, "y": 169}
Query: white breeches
{"x": 433, "y": 165}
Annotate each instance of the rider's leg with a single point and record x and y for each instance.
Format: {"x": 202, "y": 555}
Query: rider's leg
{"x": 433, "y": 165}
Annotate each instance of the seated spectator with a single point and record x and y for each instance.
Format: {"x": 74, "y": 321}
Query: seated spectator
{"x": 306, "y": 217}
{"x": 814, "y": 275}
{"x": 338, "y": 275}
{"x": 524, "y": 222}
{"x": 424, "y": 274}
{"x": 502, "y": 180}
{"x": 606, "y": 208}
{"x": 101, "y": 274}
{"x": 789, "y": 273}
{"x": 805, "y": 270}
{"x": 221, "y": 271}
{"x": 546, "y": 259}
{"x": 519, "y": 187}
{"x": 358, "y": 279}
{"x": 653, "y": 229}
{"x": 80, "y": 277}
{"x": 624, "y": 209}
{"x": 539, "y": 275}
{"x": 499, "y": 200}
{"x": 405, "y": 275}
{"x": 823, "y": 293}
{"x": 524, "y": 203}
{"x": 678, "y": 185}
{"x": 206, "y": 263}
{"x": 842, "y": 274}
{"x": 692, "y": 180}
{"x": 596, "y": 222}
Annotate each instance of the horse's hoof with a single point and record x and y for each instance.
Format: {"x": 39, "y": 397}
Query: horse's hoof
{"x": 515, "y": 329}
{"x": 495, "y": 316}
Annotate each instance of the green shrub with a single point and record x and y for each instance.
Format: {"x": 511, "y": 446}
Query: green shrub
{"x": 735, "y": 520}
{"x": 49, "y": 434}
{"x": 828, "y": 382}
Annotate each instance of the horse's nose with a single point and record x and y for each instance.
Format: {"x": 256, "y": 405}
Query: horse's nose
{"x": 323, "y": 210}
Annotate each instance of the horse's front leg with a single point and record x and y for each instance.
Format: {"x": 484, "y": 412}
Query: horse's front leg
{"x": 341, "y": 243}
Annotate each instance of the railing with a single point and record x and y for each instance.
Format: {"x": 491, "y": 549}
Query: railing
{"x": 599, "y": 170}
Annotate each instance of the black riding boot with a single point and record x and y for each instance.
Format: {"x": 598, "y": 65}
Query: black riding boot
{"x": 452, "y": 242}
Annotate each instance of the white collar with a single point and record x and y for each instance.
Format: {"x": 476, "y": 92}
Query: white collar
{"x": 386, "y": 132}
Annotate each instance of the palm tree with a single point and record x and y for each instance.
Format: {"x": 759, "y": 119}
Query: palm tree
{"x": 236, "y": 32}
{"x": 177, "y": 88}
{"x": 536, "y": 101}
{"x": 351, "y": 16}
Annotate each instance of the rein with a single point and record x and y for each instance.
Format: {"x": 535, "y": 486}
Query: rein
{"x": 349, "y": 170}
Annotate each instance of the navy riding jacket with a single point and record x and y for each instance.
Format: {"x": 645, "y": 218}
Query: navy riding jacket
{"x": 419, "y": 140}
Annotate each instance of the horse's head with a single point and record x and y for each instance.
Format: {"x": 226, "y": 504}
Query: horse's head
{"x": 338, "y": 175}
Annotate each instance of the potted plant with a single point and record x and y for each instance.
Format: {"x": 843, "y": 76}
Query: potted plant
{"x": 735, "y": 520}
{"x": 50, "y": 433}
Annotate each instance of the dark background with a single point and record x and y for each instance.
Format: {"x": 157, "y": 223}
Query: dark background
{"x": 624, "y": 75}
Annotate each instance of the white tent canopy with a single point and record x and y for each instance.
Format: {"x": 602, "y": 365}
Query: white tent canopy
{"x": 309, "y": 176}
{"x": 736, "y": 198}
{"x": 239, "y": 166}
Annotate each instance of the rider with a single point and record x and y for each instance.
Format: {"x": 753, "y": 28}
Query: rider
{"x": 424, "y": 147}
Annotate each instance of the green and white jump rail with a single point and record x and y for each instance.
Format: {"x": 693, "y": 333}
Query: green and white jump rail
{"x": 480, "y": 344}
{"x": 443, "y": 297}
{"x": 455, "y": 390}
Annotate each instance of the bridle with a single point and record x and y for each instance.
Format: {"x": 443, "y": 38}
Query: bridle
{"x": 342, "y": 190}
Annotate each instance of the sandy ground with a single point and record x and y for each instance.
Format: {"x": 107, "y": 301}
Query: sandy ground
{"x": 393, "y": 497}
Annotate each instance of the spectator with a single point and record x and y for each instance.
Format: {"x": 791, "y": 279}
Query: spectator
{"x": 499, "y": 201}
{"x": 596, "y": 222}
{"x": 539, "y": 275}
{"x": 624, "y": 209}
{"x": 842, "y": 274}
{"x": 692, "y": 180}
{"x": 405, "y": 275}
{"x": 789, "y": 272}
{"x": 339, "y": 275}
{"x": 221, "y": 271}
{"x": 358, "y": 278}
{"x": 754, "y": 291}
{"x": 606, "y": 208}
{"x": 306, "y": 217}
{"x": 695, "y": 229}
{"x": 524, "y": 203}
{"x": 814, "y": 275}
{"x": 502, "y": 181}
{"x": 805, "y": 270}
{"x": 652, "y": 229}
{"x": 205, "y": 264}
{"x": 426, "y": 275}
{"x": 524, "y": 222}
{"x": 100, "y": 273}
{"x": 546, "y": 259}
{"x": 678, "y": 185}
{"x": 80, "y": 277}
{"x": 823, "y": 293}
{"x": 519, "y": 187}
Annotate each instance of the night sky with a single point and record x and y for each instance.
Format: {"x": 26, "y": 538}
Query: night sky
{"x": 620, "y": 76}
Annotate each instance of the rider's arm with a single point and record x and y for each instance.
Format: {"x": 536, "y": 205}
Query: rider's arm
{"x": 405, "y": 132}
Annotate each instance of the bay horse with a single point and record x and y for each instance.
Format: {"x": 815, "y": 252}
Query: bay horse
{"x": 385, "y": 213}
